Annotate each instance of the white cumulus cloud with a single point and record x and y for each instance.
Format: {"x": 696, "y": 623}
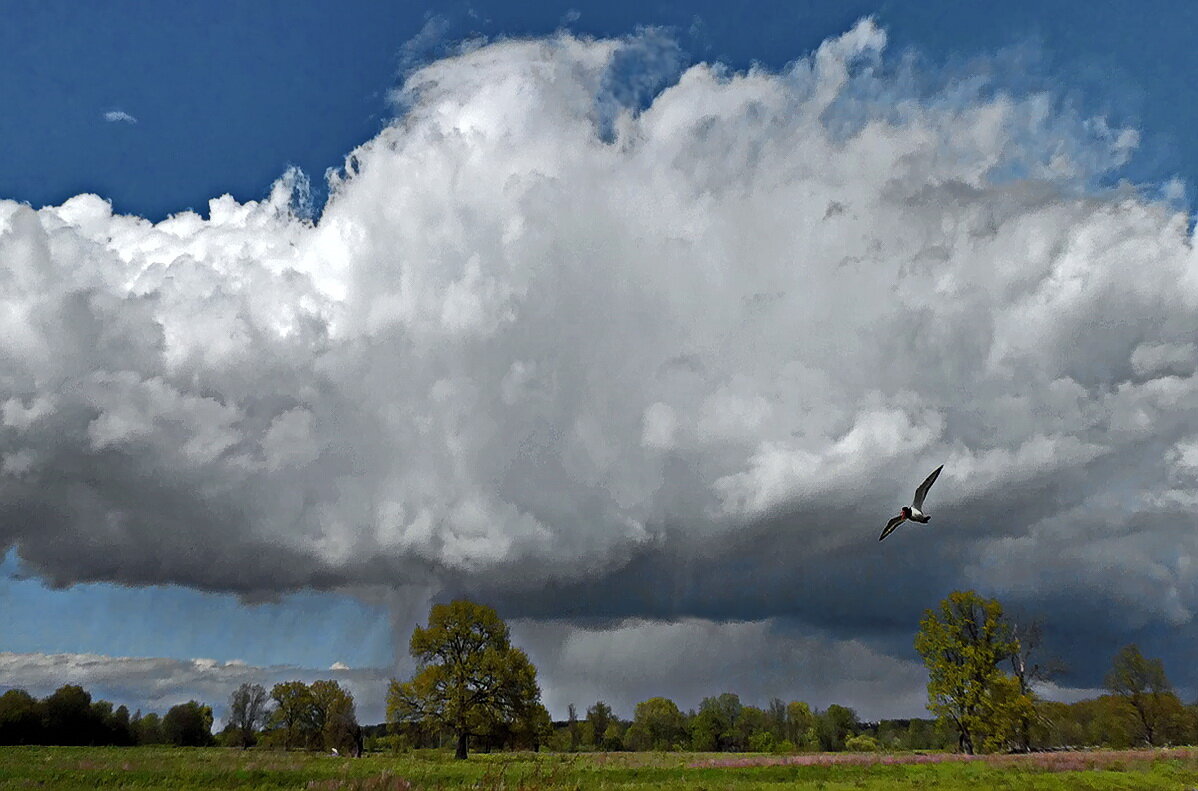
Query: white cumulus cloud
{"x": 540, "y": 331}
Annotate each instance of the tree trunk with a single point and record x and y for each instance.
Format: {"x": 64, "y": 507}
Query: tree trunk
{"x": 1149, "y": 730}
{"x": 461, "y": 753}
{"x": 966, "y": 742}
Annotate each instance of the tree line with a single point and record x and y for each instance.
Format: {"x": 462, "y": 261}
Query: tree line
{"x": 474, "y": 690}
{"x": 69, "y": 716}
{"x": 316, "y": 716}
{"x": 983, "y": 672}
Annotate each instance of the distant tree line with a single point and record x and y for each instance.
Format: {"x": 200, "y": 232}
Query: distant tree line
{"x": 295, "y": 715}
{"x": 71, "y": 717}
{"x": 473, "y": 689}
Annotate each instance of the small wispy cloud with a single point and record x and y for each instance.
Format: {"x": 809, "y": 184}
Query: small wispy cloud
{"x": 119, "y": 116}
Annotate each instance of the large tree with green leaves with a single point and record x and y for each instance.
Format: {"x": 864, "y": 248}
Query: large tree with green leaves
{"x": 188, "y": 724}
{"x": 962, "y": 646}
{"x": 1142, "y": 683}
{"x": 19, "y": 719}
{"x": 295, "y": 712}
{"x": 469, "y": 678}
{"x": 801, "y": 724}
{"x": 334, "y": 717}
{"x": 657, "y": 725}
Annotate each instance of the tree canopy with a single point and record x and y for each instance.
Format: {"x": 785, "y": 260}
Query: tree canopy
{"x": 188, "y": 724}
{"x": 470, "y": 679}
{"x": 1141, "y": 682}
{"x": 962, "y": 646}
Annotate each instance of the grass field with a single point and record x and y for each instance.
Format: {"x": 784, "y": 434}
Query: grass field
{"x": 70, "y": 768}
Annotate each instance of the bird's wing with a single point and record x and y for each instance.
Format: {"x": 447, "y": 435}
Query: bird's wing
{"x": 894, "y": 522}
{"x": 922, "y": 491}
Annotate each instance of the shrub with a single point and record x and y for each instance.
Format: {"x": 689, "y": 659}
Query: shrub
{"x": 863, "y": 743}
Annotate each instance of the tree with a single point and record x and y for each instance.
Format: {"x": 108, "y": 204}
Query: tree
{"x": 148, "y": 729}
{"x": 1030, "y": 670}
{"x": 1142, "y": 683}
{"x": 754, "y": 731}
{"x": 334, "y": 719}
{"x": 600, "y": 717}
{"x": 657, "y": 725}
{"x": 962, "y": 646}
{"x": 121, "y": 727}
{"x": 188, "y": 725}
{"x": 572, "y": 726}
{"x": 295, "y": 712}
{"x": 469, "y": 677}
{"x": 613, "y": 737}
{"x": 720, "y": 717}
{"x": 776, "y": 719}
{"x": 801, "y": 726}
{"x": 1007, "y": 710}
{"x": 834, "y": 726}
{"x": 67, "y": 716}
{"x": 19, "y": 719}
{"x": 533, "y": 728}
{"x": 248, "y": 712}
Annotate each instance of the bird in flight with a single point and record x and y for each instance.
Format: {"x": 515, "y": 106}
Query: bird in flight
{"x": 913, "y": 511}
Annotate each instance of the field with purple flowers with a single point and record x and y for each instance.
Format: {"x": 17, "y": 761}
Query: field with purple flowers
{"x": 179, "y": 769}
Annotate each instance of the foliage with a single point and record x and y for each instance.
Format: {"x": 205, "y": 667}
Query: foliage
{"x": 1142, "y": 683}
{"x": 69, "y": 716}
{"x": 800, "y": 726}
{"x": 334, "y": 718}
{"x": 532, "y": 728}
{"x": 600, "y": 718}
{"x": 834, "y": 726}
{"x": 188, "y": 725}
{"x": 148, "y": 729}
{"x": 295, "y": 712}
{"x": 470, "y": 679}
{"x": 20, "y": 722}
{"x": 763, "y": 742}
{"x": 862, "y": 743}
{"x": 962, "y": 646}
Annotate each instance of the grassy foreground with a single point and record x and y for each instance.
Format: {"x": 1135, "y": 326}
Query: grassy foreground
{"x": 215, "y": 768}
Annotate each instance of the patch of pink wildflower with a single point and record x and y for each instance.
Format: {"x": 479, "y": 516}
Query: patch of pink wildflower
{"x": 1071, "y": 761}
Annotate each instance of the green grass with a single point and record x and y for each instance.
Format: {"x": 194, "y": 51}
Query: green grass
{"x": 69, "y": 768}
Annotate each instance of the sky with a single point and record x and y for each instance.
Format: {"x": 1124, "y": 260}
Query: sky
{"x": 634, "y": 321}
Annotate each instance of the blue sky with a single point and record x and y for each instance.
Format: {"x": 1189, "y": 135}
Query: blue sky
{"x": 227, "y": 94}
{"x": 170, "y": 621}
{"x": 160, "y": 107}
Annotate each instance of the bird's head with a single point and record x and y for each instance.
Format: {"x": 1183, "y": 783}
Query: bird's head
{"x": 906, "y": 512}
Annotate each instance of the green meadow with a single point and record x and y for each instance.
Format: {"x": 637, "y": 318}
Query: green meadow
{"x": 179, "y": 769}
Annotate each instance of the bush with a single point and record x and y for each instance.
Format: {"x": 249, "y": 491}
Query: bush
{"x": 862, "y": 744}
{"x": 762, "y": 742}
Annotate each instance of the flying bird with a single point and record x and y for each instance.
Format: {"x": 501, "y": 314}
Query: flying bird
{"x": 913, "y": 511}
